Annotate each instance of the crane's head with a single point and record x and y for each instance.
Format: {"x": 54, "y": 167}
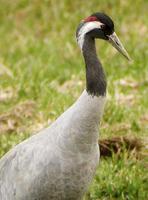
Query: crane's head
{"x": 99, "y": 25}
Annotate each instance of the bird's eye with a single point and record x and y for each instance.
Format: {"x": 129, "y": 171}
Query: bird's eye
{"x": 102, "y": 26}
{"x": 106, "y": 29}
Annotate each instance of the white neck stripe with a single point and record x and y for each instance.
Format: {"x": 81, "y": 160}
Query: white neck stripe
{"x": 89, "y": 26}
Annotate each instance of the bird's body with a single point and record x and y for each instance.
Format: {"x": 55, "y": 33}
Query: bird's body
{"x": 60, "y": 157}
{"x": 59, "y": 162}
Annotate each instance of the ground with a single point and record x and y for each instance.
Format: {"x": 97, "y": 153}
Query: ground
{"x": 42, "y": 73}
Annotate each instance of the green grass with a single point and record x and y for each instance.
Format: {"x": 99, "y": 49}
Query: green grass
{"x": 40, "y": 62}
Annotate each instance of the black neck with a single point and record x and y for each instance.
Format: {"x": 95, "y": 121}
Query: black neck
{"x": 95, "y": 77}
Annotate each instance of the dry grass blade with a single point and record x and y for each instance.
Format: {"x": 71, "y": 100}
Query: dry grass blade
{"x": 119, "y": 144}
{"x": 5, "y": 70}
{"x": 128, "y": 82}
{"x": 7, "y": 94}
{"x": 13, "y": 120}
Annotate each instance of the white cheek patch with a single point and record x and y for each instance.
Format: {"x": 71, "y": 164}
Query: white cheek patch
{"x": 89, "y": 26}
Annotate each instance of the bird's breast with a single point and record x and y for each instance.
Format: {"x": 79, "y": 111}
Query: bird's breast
{"x": 78, "y": 171}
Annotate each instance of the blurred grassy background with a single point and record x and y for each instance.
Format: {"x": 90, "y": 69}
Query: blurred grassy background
{"x": 42, "y": 73}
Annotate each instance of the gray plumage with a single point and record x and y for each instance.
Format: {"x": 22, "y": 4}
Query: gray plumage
{"x": 59, "y": 162}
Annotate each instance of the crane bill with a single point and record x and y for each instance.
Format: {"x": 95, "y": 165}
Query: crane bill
{"x": 114, "y": 40}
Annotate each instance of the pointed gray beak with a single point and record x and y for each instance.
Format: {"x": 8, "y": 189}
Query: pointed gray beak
{"x": 114, "y": 40}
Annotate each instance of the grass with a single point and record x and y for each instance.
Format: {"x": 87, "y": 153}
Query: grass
{"x": 41, "y": 65}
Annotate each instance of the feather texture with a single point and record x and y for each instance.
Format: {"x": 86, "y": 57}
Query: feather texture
{"x": 60, "y": 161}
